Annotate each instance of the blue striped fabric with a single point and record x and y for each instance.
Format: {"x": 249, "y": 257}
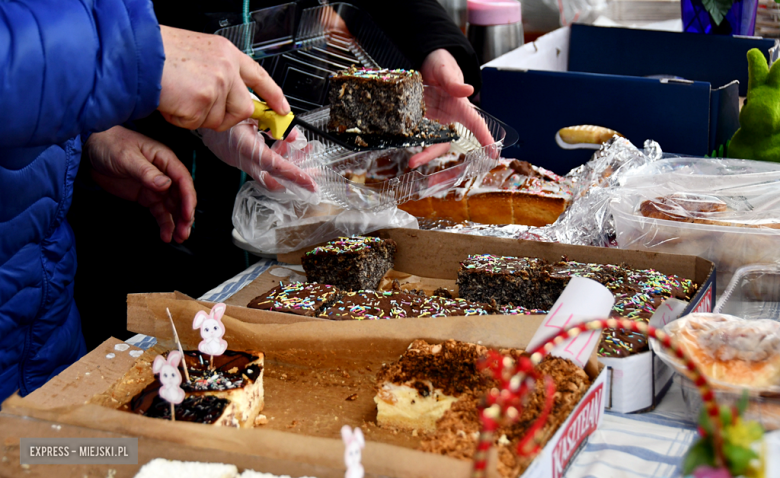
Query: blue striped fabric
{"x": 648, "y": 445}
{"x": 218, "y": 294}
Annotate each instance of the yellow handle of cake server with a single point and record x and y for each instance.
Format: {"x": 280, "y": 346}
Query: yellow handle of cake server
{"x": 270, "y": 120}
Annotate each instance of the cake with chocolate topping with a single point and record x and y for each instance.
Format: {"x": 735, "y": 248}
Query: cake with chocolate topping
{"x": 436, "y": 388}
{"x": 374, "y": 101}
{"x": 350, "y": 263}
{"x": 229, "y": 394}
{"x": 300, "y": 298}
{"x": 328, "y": 302}
{"x": 520, "y": 283}
{"x": 371, "y": 305}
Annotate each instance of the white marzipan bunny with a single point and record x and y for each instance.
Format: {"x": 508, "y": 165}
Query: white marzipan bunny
{"x": 170, "y": 378}
{"x": 212, "y": 330}
{"x": 354, "y": 444}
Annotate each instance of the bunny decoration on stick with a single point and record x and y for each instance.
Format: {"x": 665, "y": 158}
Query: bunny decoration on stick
{"x": 211, "y": 329}
{"x": 170, "y": 378}
{"x": 354, "y": 444}
{"x": 178, "y": 343}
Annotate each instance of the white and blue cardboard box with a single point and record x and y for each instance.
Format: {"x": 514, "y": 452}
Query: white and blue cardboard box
{"x": 679, "y": 89}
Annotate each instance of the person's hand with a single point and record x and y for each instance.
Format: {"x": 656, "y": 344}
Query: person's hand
{"x": 448, "y": 102}
{"x": 243, "y": 147}
{"x": 137, "y": 168}
{"x": 205, "y": 79}
{"x": 440, "y": 69}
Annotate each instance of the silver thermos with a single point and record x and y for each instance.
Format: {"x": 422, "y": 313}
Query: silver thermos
{"x": 494, "y": 27}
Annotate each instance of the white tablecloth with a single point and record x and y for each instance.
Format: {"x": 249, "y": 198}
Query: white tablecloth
{"x": 647, "y": 445}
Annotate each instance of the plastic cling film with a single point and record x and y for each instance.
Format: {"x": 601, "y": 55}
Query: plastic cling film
{"x": 277, "y": 225}
{"x": 588, "y": 219}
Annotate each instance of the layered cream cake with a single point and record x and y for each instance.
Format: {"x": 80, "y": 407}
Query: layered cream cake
{"x": 414, "y": 392}
{"x": 230, "y": 394}
{"x": 436, "y": 388}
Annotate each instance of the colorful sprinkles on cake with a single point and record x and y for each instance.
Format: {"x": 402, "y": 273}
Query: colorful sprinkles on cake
{"x": 384, "y": 74}
{"x": 370, "y": 305}
{"x": 297, "y": 296}
{"x": 345, "y": 245}
{"x": 638, "y": 293}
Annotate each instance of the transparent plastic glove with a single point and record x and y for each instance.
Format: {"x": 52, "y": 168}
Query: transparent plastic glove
{"x": 243, "y": 147}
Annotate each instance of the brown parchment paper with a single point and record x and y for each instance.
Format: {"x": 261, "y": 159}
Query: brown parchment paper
{"x": 312, "y": 370}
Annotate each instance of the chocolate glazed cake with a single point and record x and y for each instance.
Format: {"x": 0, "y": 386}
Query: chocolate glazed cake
{"x": 519, "y": 284}
{"x": 376, "y": 101}
{"x": 299, "y": 298}
{"x": 229, "y": 395}
{"x": 350, "y": 263}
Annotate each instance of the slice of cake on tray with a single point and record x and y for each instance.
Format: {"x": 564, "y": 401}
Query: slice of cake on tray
{"x": 519, "y": 284}
{"x": 436, "y": 389}
{"x": 415, "y": 391}
{"x": 350, "y": 263}
{"x": 300, "y": 298}
{"x": 373, "y": 101}
{"x": 229, "y": 394}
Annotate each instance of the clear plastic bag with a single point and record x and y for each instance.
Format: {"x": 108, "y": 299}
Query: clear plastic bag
{"x": 275, "y": 224}
{"x": 275, "y": 221}
{"x": 729, "y": 350}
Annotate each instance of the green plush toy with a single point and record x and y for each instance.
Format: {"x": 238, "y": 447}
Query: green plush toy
{"x": 759, "y": 134}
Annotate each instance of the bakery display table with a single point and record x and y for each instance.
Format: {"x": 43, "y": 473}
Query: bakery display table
{"x": 647, "y": 445}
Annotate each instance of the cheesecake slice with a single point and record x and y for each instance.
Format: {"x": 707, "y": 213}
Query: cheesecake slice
{"x": 436, "y": 389}
{"x": 230, "y": 394}
{"x": 416, "y": 391}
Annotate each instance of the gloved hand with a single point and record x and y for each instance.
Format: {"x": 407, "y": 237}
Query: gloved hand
{"x": 759, "y": 134}
{"x": 243, "y": 147}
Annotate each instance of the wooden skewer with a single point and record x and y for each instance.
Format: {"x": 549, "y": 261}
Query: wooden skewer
{"x": 211, "y": 362}
{"x": 178, "y": 342}
{"x": 173, "y": 413}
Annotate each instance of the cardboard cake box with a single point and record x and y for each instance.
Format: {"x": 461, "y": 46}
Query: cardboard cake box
{"x": 428, "y": 260}
{"x": 679, "y": 89}
{"x": 311, "y": 371}
{"x": 635, "y": 383}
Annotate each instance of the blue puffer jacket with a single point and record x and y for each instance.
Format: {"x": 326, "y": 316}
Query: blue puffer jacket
{"x": 67, "y": 68}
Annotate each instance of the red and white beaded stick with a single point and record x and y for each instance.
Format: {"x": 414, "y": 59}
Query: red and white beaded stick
{"x": 505, "y": 404}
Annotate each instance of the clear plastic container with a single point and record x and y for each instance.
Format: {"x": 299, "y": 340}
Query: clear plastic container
{"x": 747, "y": 233}
{"x": 334, "y": 37}
{"x": 753, "y": 293}
{"x": 736, "y": 340}
{"x": 762, "y": 407}
{"x": 327, "y": 39}
{"x": 329, "y": 165}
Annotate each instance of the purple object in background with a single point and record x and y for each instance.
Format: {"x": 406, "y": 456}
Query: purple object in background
{"x": 740, "y": 20}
